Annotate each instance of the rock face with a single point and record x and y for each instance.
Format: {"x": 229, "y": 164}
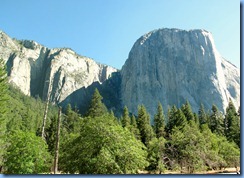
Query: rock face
{"x": 166, "y": 65}
{"x": 172, "y": 66}
{"x": 35, "y": 69}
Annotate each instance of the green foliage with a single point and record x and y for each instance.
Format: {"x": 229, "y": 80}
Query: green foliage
{"x": 186, "y": 109}
{"x": 51, "y": 134}
{"x": 232, "y": 122}
{"x": 103, "y": 147}
{"x": 171, "y": 119}
{"x": 134, "y": 129}
{"x": 185, "y": 145}
{"x": 216, "y": 121}
{"x": 103, "y": 144}
{"x": 229, "y": 151}
{"x": 26, "y": 154}
{"x": 210, "y": 150}
{"x": 143, "y": 123}
{"x": 176, "y": 119}
{"x": 71, "y": 120}
{"x": 156, "y": 149}
{"x": 203, "y": 118}
{"x": 125, "y": 118}
{"x": 26, "y": 113}
{"x": 97, "y": 108}
{"x": 159, "y": 121}
{"x": 4, "y": 109}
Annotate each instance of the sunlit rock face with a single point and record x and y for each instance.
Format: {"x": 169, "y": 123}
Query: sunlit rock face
{"x": 166, "y": 65}
{"x": 172, "y": 66}
{"x": 35, "y": 69}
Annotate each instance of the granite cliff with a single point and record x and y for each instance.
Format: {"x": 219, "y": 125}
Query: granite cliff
{"x": 166, "y": 65}
{"x": 172, "y": 66}
{"x": 35, "y": 69}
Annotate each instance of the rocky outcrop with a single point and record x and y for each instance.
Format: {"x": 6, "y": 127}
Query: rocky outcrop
{"x": 166, "y": 65}
{"x": 35, "y": 69}
{"x": 172, "y": 66}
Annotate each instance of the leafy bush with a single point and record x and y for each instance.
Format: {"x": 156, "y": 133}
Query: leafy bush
{"x": 26, "y": 154}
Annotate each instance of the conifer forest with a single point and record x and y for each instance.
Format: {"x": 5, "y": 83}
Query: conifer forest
{"x": 100, "y": 142}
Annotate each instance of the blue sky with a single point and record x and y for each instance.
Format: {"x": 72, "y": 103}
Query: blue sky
{"x": 105, "y": 30}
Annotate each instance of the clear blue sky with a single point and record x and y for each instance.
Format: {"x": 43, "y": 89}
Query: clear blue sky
{"x": 105, "y": 30}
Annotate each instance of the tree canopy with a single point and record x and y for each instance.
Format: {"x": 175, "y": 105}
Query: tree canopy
{"x": 103, "y": 147}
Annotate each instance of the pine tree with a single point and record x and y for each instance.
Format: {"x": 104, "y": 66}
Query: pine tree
{"x": 176, "y": 119}
{"x": 27, "y": 154}
{"x": 202, "y": 115}
{"x": 133, "y": 128}
{"x": 97, "y": 108}
{"x": 71, "y": 120}
{"x": 232, "y": 124}
{"x": 51, "y": 133}
{"x": 133, "y": 121}
{"x": 125, "y": 118}
{"x": 216, "y": 121}
{"x": 186, "y": 109}
{"x": 144, "y": 126}
{"x": 196, "y": 119}
{"x": 3, "y": 109}
{"x": 159, "y": 121}
{"x": 180, "y": 119}
{"x": 171, "y": 119}
{"x": 103, "y": 147}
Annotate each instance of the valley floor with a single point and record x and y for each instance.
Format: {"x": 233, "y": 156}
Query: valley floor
{"x": 223, "y": 171}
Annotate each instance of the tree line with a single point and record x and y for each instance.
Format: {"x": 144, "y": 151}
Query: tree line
{"x": 101, "y": 143}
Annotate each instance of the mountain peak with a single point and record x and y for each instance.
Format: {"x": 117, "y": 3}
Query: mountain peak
{"x": 172, "y": 66}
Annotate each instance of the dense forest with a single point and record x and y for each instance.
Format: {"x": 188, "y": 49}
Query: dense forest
{"x": 101, "y": 143}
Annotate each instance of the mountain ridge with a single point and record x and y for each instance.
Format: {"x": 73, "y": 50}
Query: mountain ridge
{"x": 31, "y": 67}
{"x": 160, "y": 66}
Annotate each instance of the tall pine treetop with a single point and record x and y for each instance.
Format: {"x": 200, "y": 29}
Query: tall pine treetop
{"x": 126, "y": 118}
{"x": 97, "y": 108}
{"x": 159, "y": 121}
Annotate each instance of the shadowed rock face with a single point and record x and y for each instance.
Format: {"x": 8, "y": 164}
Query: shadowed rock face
{"x": 109, "y": 89}
{"x": 32, "y": 67}
{"x": 172, "y": 66}
{"x": 166, "y": 65}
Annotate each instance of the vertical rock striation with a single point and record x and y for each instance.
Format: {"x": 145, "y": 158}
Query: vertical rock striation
{"x": 172, "y": 66}
{"x": 32, "y": 68}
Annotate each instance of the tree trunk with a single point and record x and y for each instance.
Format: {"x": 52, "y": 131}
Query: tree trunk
{"x": 57, "y": 143}
{"x": 45, "y": 112}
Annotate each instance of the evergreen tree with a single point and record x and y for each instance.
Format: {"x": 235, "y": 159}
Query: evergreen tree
{"x": 97, "y": 108}
{"x": 176, "y": 119}
{"x": 232, "y": 124}
{"x": 125, "y": 118}
{"x": 202, "y": 115}
{"x": 171, "y": 119}
{"x": 71, "y": 120}
{"x": 51, "y": 134}
{"x": 3, "y": 109}
{"x": 159, "y": 121}
{"x": 196, "y": 119}
{"x": 144, "y": 126}
{"x": 133, "y": 121}
{"x": 103, "y": 147}
{"x": 180, "y": 119}
{"x": 133, "y": 127}
{"x": 186, "y": 109}
{"x": 27, "y": 154}
{"x": 111, "y": 113}
{"x": 216, "y": 121}
{"x": 156, "y": 151}
{"x": 185, "y": 147}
